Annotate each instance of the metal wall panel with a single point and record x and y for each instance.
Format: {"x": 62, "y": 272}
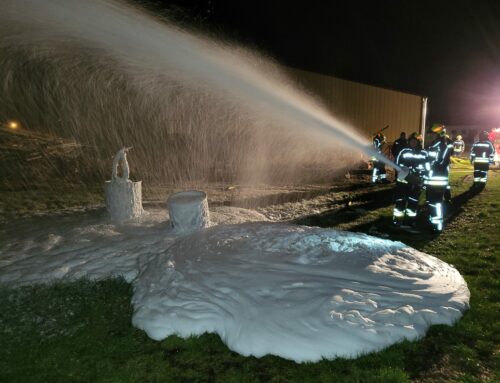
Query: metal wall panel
{"x": 366, "y": 108}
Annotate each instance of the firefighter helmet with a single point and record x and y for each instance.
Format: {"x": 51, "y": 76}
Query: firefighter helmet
{"x": 437, "y": 128}
{"x": 459, "y": 137}
{"x": 416, "y": 136}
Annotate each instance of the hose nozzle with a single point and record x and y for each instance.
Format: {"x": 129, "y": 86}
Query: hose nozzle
{"x": 406, "y": 175}
{"x": 403, "y": 172}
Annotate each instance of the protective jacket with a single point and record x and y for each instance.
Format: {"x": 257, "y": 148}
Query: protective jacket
{"x": 378, "y": 140}
{"x": 406, "y": 195}
{"x": 458, "y": 147}
{"x": 436, "y": 181}
{"x": 482, "y": 151}
{"x": 398, "y": 145}
{"x": 378, "y": 173}
{"x": 482, "y": 154}
{"x": 440, "y": 152}
{"x": 415, "y": 159}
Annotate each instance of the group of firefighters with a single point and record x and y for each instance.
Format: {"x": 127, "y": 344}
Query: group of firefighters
{"x": 428, "y": 170}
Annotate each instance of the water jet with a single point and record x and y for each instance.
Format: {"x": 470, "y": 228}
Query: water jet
{"x": 267, "y": 288}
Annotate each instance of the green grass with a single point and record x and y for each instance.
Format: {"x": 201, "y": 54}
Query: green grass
{"x": 81, "y": 331}
{"x": 15, "y": 204}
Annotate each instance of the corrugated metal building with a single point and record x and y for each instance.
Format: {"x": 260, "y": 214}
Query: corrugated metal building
{"x": 365, "y": 107}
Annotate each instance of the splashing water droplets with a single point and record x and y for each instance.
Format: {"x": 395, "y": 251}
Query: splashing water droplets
{"x": 109, "y": 74}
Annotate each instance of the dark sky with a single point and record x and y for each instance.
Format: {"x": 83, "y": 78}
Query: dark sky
{"x": 446, "y": 50}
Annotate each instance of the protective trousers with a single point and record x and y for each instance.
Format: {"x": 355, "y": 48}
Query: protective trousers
{"x": 378, "y": 172}
{"x": 434, "y": 196}
{"x": 481, "y": 172}
{"x": 447, "y": 194}
{"x": 406, "y": 202}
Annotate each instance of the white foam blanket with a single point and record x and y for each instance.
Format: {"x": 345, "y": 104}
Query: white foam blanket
{"x": 298, "y": 292}
{"x": 89, "y": 244}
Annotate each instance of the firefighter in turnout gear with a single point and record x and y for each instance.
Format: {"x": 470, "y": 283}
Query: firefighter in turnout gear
{"x": 436, "y": 181}
{"x": 399, "y": 145}
{"x": 407, "y": 194}
{"x": 378, "y": 172}
{"x": 458, "y": 146}
{"x": 482, "y": 154}
{"x": 440, "y": 143}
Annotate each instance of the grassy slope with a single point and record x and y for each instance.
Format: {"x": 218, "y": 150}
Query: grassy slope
{"x": 81, "y": 331}
{"x": 15, "y": 204}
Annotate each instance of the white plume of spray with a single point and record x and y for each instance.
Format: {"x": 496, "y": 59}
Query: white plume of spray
{"x": 144, "y": 45}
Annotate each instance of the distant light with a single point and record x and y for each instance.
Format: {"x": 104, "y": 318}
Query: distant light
{"x": 497, "y": 130}
{"x": 13, "y": 125}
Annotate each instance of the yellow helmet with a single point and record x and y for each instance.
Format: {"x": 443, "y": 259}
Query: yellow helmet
{"x": 438, "y": 128}
{"x": 416, "y": 136}
{"x": 459, "y": 137}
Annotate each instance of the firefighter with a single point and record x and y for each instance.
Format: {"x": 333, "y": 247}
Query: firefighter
{"x": 436, "y": 181}
{"x": 399, "y": 145}
{"x": 407, "y": 194}
{"x": 482, "y": 154}
{"x": 458, "y": 146}
{"x": 442, "y": 141}
{"x": 378, "y": 172}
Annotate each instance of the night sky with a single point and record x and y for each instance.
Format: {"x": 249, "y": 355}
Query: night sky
{"x": 446, "y": 50}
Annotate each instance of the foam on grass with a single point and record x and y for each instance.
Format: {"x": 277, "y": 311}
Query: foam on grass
{"x": 298, "y": 292}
